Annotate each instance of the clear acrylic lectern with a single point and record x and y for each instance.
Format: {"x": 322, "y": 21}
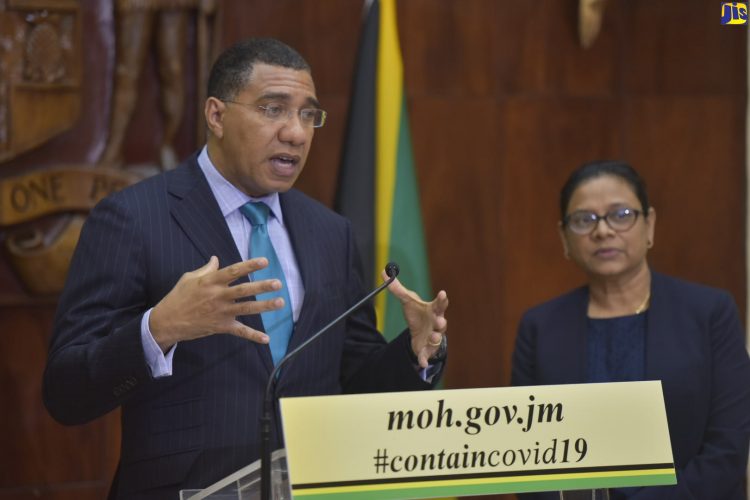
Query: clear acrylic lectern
{"x": 245, "y": 483}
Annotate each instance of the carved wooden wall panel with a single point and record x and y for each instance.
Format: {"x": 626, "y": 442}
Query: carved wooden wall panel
{"x": 41, "y": 66}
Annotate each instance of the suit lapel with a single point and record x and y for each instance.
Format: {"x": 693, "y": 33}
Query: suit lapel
{"x": 658, "y": 323}
{"x": 575, "y": 361}
{"x": 194, "y": 208}
{"x": 303, "y": 239}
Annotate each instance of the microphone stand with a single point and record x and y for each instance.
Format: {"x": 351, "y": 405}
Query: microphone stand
{"x": 392, "y": 271}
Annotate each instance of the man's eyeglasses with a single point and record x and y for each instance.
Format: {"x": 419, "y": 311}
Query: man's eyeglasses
{"x": 275, "y": 112}
{"x": 584, "y": 222}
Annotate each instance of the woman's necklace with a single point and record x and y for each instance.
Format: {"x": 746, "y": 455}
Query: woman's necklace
{"x": 644, "y": 304}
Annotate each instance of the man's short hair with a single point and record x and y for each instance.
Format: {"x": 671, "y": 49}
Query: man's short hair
{"x": 232, "y": 70}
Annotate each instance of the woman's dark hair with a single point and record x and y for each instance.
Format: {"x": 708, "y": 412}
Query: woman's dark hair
{"x": 231, "y": 72}
{"x": 594, "y": 169}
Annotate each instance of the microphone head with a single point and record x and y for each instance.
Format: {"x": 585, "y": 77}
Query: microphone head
{"x": 392, "y": 269}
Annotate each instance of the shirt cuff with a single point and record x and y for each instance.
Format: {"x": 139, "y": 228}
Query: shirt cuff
{"x": 427, "y": 374}
{"x": 159, "y": 363}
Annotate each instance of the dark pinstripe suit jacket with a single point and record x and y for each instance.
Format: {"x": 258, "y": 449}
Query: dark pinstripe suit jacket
{"x": 695, "y": 347}
{"x": 200, "y": 424}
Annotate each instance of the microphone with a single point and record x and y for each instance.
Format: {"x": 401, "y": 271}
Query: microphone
{"x": 391, "y": 270}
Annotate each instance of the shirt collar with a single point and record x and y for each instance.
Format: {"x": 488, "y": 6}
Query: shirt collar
{"x": 229, "y": 197}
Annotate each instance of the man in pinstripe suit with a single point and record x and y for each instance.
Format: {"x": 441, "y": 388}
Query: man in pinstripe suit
{"x": 153, "y": 318}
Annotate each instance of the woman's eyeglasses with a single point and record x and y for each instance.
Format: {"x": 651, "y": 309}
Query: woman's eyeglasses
{"x": 584, "y": 222}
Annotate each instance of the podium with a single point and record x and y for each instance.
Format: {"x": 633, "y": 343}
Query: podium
{"x": 245, "y": 483}
{"x": 576, "y": 441}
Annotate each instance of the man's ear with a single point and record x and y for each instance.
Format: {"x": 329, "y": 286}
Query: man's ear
{"x": 214, "y": 113}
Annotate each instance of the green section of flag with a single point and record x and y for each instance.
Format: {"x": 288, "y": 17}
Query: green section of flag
{"x": 407, "y": 242}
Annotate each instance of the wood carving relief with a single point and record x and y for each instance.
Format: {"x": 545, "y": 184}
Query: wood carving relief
{"x": 43, "y": 209}
{"x": 40, "y": 64}
{"x": 161, "y": 24}
{"x": 590, "y": 15}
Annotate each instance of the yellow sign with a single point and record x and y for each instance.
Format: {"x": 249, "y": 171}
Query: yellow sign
{"x": 477, "y": 441}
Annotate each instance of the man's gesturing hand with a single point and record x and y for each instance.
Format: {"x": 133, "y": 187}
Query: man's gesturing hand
{"x": 426, "y": 320}
{"x": 204, "y": 302}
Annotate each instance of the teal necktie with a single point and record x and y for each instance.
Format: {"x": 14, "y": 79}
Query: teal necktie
{"x": 278, "y": 324}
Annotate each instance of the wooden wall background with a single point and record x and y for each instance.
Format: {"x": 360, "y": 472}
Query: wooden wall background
{"x": 504, "y": 103}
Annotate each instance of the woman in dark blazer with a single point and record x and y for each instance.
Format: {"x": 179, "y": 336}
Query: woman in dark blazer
{"x": 630, "y": 323}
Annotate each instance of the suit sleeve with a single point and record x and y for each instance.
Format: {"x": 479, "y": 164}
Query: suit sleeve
{"x": 718, "y": 469}
{"x": 96, "y": 358}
